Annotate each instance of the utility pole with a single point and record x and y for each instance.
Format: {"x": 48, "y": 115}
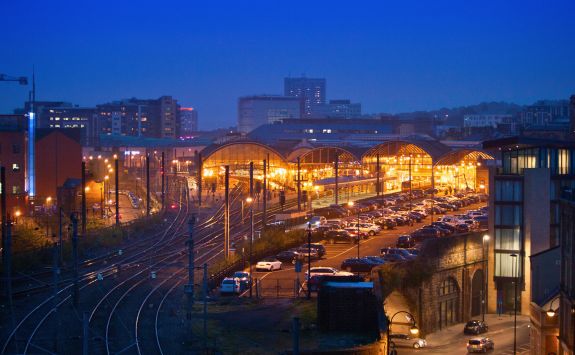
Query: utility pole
{"x": 199, "y": 174}
{"x": 189, "y": 288}
{"x": 75, "y": 290}
{"x": 205, "y": 284}
{"x": 298, "y": 185}
{"x": 84, "y": 196}
{"x": 163, "y": 173}
{"x": 251, "y": 201}
{"x": 227, "y": 214}
{"x": 117, "y": 176}
{"x": 377, "y": 184}
{"x": 147, "y": 185}
{"x": 336, "y": 178}
{"x": 265, "y": 191}
{"x": 55, "y": 276}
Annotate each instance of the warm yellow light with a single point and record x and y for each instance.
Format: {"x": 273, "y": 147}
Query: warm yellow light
{"x": 106, "y": 160}
{"x": 550, "y": 313}
{"x": 414, "y": 330}
{"x": 99, "y": 157}
{"x": 175, "y": 161}
{"x": 17, "y": 213}
{"x": 249, "y": 199}
{"x": 106, "y": 177}
{"x": 316, "y": 188}
{"x": 48, "y": 199}
{"x": 91, "y": 157}
{"x": 111, "y": 170}
{"x": 115, "y": 156}
{"x": 350, "y": 203}
{"x": 87, "y": 188}
{"x": 486, "y": 238}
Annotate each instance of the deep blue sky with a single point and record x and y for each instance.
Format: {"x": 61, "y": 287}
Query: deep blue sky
{"x": 391, "y": 56}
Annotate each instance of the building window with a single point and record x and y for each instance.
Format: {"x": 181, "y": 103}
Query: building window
{"x": 563, "y": 163}
{"x": 508, "y": 190}
{"x": 15, "y": 167}
{"x": 508, "y": 215}
{"x": 15, "y": 189}
{"x": 506, "y": 265}
{"x": 449, "y": 303}
{"x": 15, "y": 148}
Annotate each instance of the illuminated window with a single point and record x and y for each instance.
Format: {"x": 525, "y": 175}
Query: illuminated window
{"x": 15, "y": 189}
{"x": 15, "y": 167}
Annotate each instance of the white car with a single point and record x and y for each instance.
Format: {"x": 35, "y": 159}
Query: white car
{"x": 326, "y": 271}
{"x": 269, "y": 264}
{"x": 230, "y": 285}
{"x": 368, "y": 228}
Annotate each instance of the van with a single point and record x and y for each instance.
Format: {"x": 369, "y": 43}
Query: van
{"x": 317, "y": 221}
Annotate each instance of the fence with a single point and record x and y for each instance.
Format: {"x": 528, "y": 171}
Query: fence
{"x": 279, "y": 288}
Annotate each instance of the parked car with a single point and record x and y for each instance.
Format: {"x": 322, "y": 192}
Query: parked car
{"x": 339, "y": 235}
{"x": 288, "y": 256}
{"x": 475, "y": 327}
{"x": 399, "y": 251}
{"x": 358, "y": 265}
{"x": 244, "y": 278}
{"x": 325, "y": 270}
{"x": 305, "y": 252}
{"x": 462, "y": 228}
{"x": 369, "y": 228}
{"x": 269, "y": 264}
{"x": 230, "y": 285}
{"x": 405, "y": 241}
{"x": 480, "y": 345}
{"x": 353, "y": 233}
{"x": 393, "y": 258}
{"x": 318, "y": 247}
{"x": 405, "y": 340}
{"x": 423, "y": 234}
{"x": 317, "y": 221}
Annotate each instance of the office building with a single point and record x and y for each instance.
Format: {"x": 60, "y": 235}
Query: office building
{"x": 255, "y": 111}
{"x": 188, "y": 121}
{"x": 343, "y": 109}
{"x": 485, "y": 120}
{"x": 546, "y": 112}
{"x": 13, "y": 159}
{"x": 141, "y": 118}
{"x": 524, "y": 214}
{"x": 311, "y": 91}
{"x": 66, "y": 117}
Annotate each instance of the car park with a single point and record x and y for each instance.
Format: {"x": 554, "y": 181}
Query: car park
{"x": 405, "y": 340}
{"x": 230, "y": 285}
{"x": 353, "y": 233}
{"x": 475, "y": 327}
{"x": 398, "y": 251}
{"x": 305, "y": 253}
{"x": 269, "y": 264}
{"x": 368, "y": 228}
{"x": 480, "y": 345}
{"x": 423, "y": 234}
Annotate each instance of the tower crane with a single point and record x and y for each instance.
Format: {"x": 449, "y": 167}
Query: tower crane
{"x": 22, "y": 80}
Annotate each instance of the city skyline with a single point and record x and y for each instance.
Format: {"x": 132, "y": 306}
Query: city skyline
{"x": 390, "y": 58}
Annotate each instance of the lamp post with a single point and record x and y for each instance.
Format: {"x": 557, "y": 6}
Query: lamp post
{"x": 485, "y": 266}
{"x": 350, "y": 204}
{"x": 552, "y": 312}
{"x": 250, "y": 201}
{"x": 308, "y": 259}
{"x": 515, "y": 270}
{"x": 413, "y": 330}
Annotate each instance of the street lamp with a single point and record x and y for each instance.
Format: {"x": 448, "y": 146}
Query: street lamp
{"x": 552, "y": 312}
{"x": 249, "y": 201}
{"x": 485, "y": 267}
{"x": 413, "y": 329}
{"x": 350, "y": 204}
{"x": 515, "y": 270}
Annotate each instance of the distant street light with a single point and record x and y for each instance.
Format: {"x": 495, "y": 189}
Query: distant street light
{"x": 413, "y": 329}
{"x": 350, "y": 204}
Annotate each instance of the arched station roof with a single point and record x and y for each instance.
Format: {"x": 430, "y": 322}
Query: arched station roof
{"x": 239, "y": 152}
{"x": 405, "y": 147}
{"x": 456, "y": 156}
{"x": 326, "y": 155}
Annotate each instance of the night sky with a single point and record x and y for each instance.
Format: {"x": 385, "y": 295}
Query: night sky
{"x": 392, "y": 56}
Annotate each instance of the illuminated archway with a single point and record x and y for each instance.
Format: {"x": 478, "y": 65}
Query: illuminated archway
{"x": 403, "y": 163}
{"x": 238, "y": 156}
{"x": 462, "y": 169}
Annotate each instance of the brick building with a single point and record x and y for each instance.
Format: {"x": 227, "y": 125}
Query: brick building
{"x": 13, "y": 158}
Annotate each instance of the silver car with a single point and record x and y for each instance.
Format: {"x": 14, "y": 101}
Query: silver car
{"x": 480, "y": 345}
{"x": 404, "y": 340}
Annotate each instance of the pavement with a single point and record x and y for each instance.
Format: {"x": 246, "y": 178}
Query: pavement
{"x": 451, "y": 340}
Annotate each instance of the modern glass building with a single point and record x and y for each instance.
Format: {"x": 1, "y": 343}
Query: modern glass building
{"x": 524, "y": 213}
